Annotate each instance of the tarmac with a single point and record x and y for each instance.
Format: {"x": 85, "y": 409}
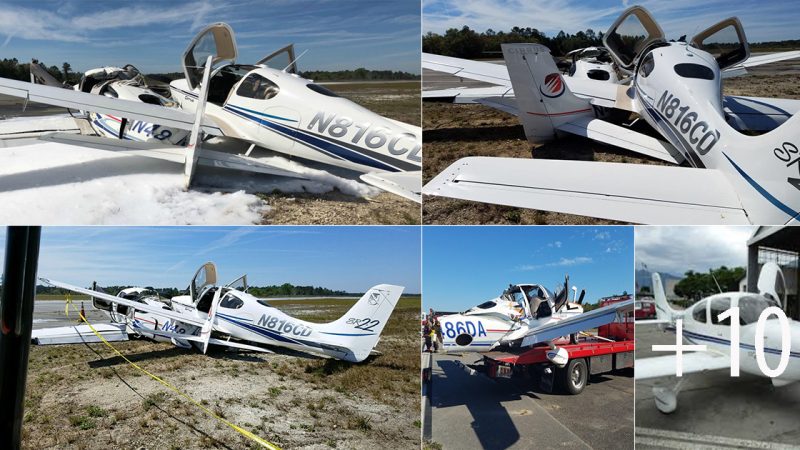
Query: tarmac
{"x": 472, "y": 411}
{"x": 50, "y": 313}
{"x": 748, "y": 411}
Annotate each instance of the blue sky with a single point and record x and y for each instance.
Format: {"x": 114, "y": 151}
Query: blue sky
{"x": 152, "y": 35}
{"x": 763, "y": 20}
{"x": 464, "y": 266}
{"x": 352, "y": 259}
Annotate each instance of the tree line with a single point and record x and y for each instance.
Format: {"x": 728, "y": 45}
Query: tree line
{"x": 468, "y": 43}
{"x": 12, "y": 68}
{"x": 697, "y": 285}
{"x": 283, "y": 290}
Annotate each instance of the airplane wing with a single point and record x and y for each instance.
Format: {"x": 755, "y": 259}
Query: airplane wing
{"x": 79, "y": 334}
{"x": 740, "y": 69}
{"x": 758, "y": 113}
{"x": 627, "y": 192}
{"x": 692, "y": 362}
{"x": 466, "y": 68}
{"x": 206, "y": 157}
{"x": 404, "y": 184}
{"x": 69, "y": 98}
{"x": 135, "y": 305}
{"x": 214, "y": 341}
{"x": 580, "y": 322}
{"x": 609, "y": 133}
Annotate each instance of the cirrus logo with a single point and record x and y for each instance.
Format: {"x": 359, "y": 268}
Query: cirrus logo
{"x": 553, "y": 86}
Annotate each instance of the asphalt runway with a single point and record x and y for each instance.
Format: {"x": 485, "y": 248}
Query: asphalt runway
{"x": 472, "y": 411}
{"x": 50, "y": 313}
{"x": 714, "y": 409}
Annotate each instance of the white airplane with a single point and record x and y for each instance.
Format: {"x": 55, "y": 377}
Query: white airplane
{"x": 733, "y": 175}
{"x": 262, "y": 104}
{"x": 524, "y": 315}
{"x": 229, "y": 316}
{"x": 592, "y": 63}
{"x": 701, "y": 325}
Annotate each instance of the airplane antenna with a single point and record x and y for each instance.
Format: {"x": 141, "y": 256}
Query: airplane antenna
{"x": 715, "y": 280}
{"x": 295, "y": 60}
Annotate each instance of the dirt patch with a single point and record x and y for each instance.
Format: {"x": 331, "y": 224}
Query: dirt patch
{"x": 85, "y": 397}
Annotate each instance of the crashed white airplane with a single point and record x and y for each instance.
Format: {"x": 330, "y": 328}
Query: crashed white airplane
{"x": 731, "y": 175}
{"x": 702, "y": 324}
{"x": 229, "y": 316}
{"x": 524, "y": 315}
{"x": 265, "y": 104}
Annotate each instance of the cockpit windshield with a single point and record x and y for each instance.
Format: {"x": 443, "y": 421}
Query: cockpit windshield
{"x": 629, "y": 35}
{"x": 725, "y": 41}
{"x": 240, "y": 284}
{"x": 751, "y": 307}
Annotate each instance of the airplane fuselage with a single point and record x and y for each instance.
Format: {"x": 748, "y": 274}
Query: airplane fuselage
{"x": 701, "y": 326}
{"x": 299, "y": 118}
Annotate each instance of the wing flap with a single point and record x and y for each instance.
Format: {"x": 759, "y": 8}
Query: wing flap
{"x": 693, "y": 362}
{"x": 616, "y": 191}
{"x": 68, "y": 98}
{"x": 608, "y": 133}
{"x": 580, "y": 322}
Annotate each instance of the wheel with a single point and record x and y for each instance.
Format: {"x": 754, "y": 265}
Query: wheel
{"x": 574, "y": 376}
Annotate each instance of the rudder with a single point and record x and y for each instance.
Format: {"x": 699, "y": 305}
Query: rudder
{"x": 543, "y": 99}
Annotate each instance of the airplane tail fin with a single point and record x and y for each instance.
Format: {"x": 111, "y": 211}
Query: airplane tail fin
{"x": 360, "y": 328}
{"x": 663, "y": 310}
{"x": 543, "y": 99}
{"x": 40, "y": 75}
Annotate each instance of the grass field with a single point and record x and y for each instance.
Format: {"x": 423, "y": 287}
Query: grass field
{"x": 85, "y": 397}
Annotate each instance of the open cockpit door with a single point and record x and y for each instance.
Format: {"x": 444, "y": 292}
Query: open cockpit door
{"x": 282, "y": 59}
{"x": 205, "y": 276}
{"x": 215, "y": 40}
{"x": 634, "y": 30}
{"x": 725, "y": 41}
{"x": 240, "y": 284}
{"x": 562, "y": 297}
{"x": 772, "y": 284}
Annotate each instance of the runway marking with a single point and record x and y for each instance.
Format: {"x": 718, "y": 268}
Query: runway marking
{"x": 682, "y": 439}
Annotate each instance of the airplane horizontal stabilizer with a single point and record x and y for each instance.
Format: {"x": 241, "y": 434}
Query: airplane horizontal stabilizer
{"x": 79, "y": 334}
{"x": 404, "y": 184}
{"x": 467, "y": 95}
{"x": 609, "y": 133}
{"x": 626, "y": 192}
{"x": 465, "y": 68}
{"x": 575, "y": 324}
{"x": 664, "y": 366}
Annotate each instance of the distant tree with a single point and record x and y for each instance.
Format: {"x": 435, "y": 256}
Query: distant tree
{"x": 67, "y": 68}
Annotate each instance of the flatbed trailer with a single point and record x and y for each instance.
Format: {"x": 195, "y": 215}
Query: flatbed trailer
{"x": 586, "y": 356}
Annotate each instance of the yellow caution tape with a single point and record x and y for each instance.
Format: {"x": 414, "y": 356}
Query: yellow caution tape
{"x": 235, "y": 427}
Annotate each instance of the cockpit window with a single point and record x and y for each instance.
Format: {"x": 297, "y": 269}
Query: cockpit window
{"x": 257, "y": 87}
{"x": 691, "y": 70}
{"x": 321, "y": 90}
{"x": 719, "y": 306}
{"x": 699, "y": 312}
{"x": 231, "y": 301}
{"x": 647, "y": 66}
{"x": 486, "y": 305}
{"x": 751, "y": 307}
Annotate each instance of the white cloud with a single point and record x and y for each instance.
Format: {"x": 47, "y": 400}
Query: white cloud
{"x": 678, "y": 249}
{"x": 563, "y": 262}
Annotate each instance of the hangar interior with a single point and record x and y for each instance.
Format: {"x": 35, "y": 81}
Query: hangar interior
{"x": 782, "y": 246}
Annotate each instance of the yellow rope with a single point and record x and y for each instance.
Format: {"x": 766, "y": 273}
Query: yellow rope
{"x": 235, "y": 427}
